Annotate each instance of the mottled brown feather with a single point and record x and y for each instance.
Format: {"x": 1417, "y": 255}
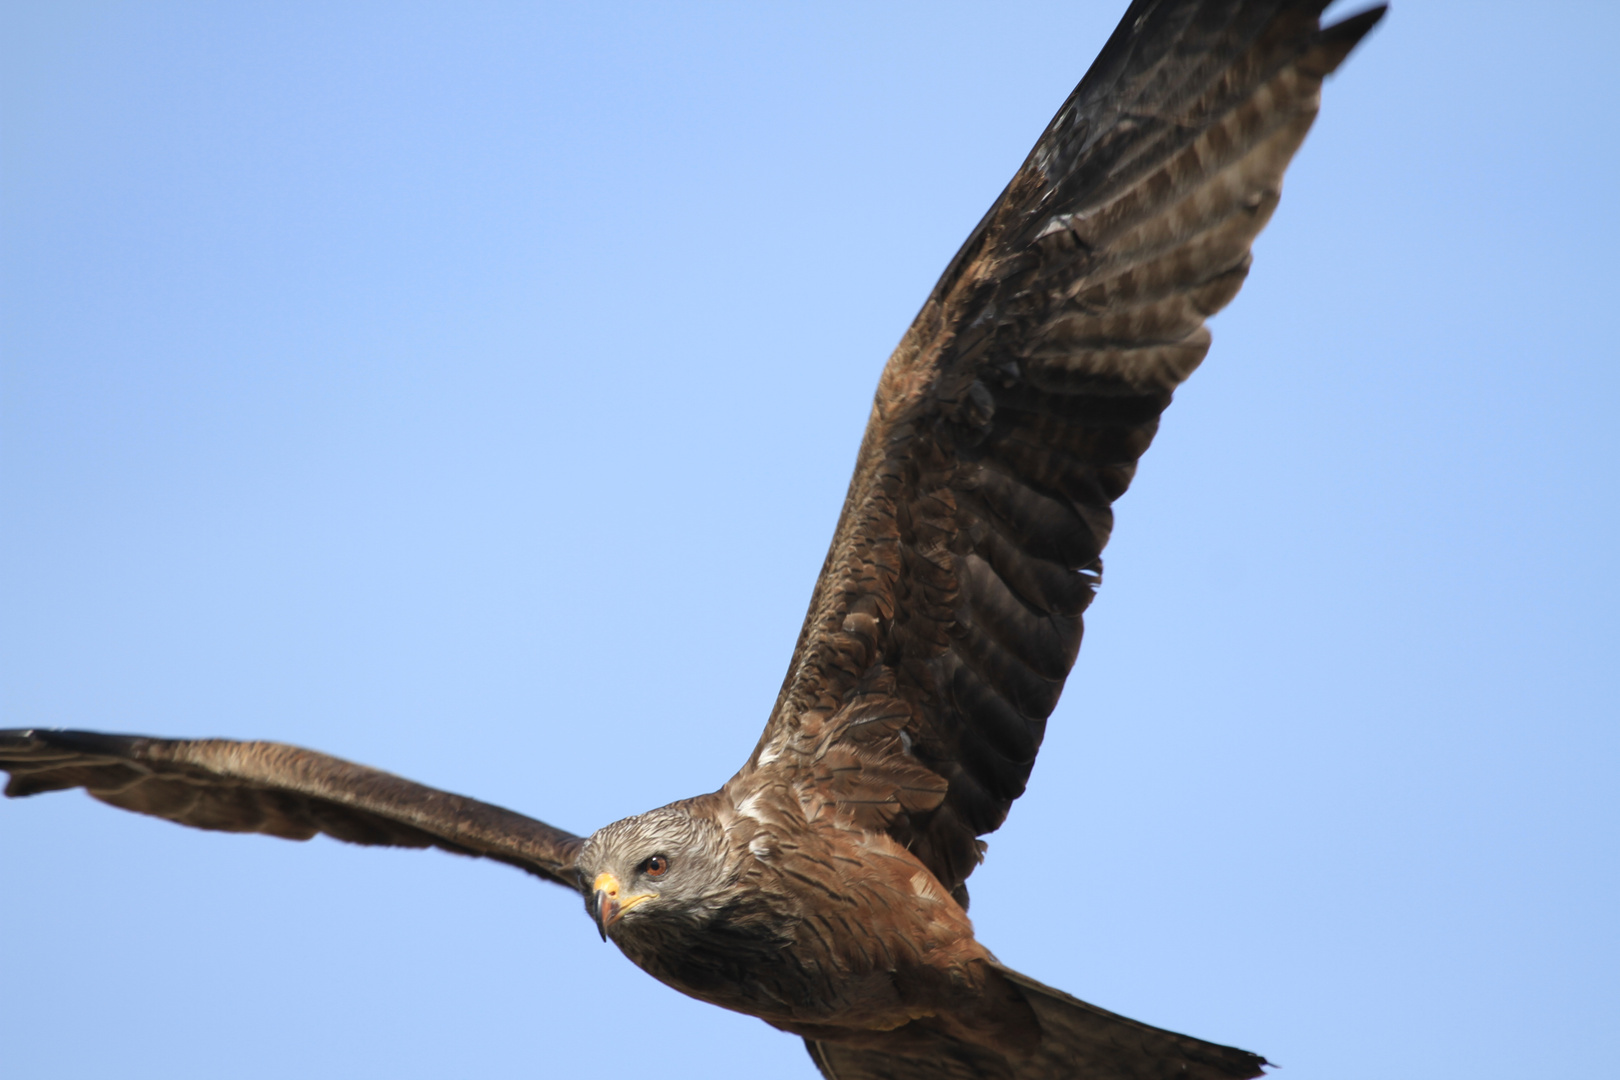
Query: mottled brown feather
{"x": 1014, "y": 410}
{"x": 285, "y": 791}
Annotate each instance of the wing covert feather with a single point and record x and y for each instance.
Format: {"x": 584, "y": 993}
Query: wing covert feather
{"x": 1013, "y": 413}
{"x": 279, "y": 790}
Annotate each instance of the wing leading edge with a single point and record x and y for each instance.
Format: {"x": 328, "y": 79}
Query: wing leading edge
{"x": 279, "y": 790}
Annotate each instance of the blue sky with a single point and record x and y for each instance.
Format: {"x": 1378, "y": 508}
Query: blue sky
{"x": 470, "y": 390}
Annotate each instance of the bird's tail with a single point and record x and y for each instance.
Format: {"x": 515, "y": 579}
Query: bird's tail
{"x": 1077, "y": 1041}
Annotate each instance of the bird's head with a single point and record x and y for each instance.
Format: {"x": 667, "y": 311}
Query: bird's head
{"x": 665, "y": 864}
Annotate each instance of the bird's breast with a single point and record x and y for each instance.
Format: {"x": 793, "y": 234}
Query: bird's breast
{"x": 828, "y": 931}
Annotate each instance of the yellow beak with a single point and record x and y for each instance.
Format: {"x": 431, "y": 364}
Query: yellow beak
{"x": 607, "y": 906}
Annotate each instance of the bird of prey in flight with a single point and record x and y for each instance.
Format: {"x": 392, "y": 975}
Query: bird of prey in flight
{"x": 823, "y": 888}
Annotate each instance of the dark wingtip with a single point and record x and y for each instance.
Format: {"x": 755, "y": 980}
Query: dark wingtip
{"x": 17, "y": 746}
{"x": 1335, "y": 42}
{"x": 73, "y": 740}
{"x": 39, "y": 759}
{"x": 1356, "y": 26}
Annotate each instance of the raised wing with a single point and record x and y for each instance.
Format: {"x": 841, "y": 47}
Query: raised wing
{"x": 281, "y": 790}
{"x": 1012, "y": 415}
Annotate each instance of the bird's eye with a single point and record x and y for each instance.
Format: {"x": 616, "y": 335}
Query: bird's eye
{"x": 655, "y": 866}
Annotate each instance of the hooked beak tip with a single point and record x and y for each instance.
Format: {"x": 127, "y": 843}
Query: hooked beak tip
{"x": 605, "y": 910}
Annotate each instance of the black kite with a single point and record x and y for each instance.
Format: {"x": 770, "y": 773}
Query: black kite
{"x": 823, "y": 888}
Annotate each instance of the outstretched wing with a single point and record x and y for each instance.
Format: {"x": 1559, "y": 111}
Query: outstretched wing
{"x": 281, "y": 790}
{"x": 1013, "y": 413}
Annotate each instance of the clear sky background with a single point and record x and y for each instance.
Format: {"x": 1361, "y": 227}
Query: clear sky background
{"x": 470, "y": 390}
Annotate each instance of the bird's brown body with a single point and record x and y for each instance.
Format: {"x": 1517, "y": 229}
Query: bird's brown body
{"x": 824, "y": 887}
{"x": 834, "y": 932}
